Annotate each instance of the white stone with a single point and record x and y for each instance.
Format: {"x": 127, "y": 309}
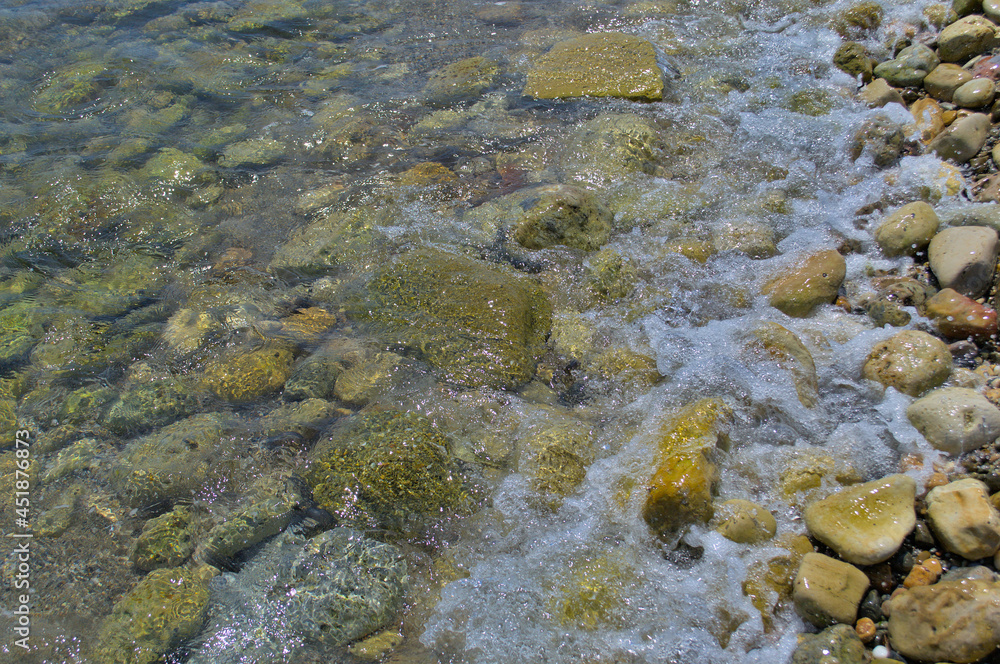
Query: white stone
{"x": 964, "y": 258}
{"x": 955, "y": 419}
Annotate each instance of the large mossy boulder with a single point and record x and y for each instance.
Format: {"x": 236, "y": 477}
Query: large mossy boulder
{"x": 480, "y": 325}
{"x": 606, "y": 64}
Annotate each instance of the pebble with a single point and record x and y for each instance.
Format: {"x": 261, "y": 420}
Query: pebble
{"x": 828, "y": 591}
{"x": 812, "y": 282}
{"x": 965, "y": 38}
{"x": 879, "y": 93}
{"x": 908, "y": 230}
{"x": 963, "y": 139}
{"x": 865, "y": 523}
{"x": 909, "y": 67}
{"x": 923, "y": 574}
{"x": 744, "y": 522}
{"x": 955, "y": 419}
{"x": 838, "y": 644}
{"x": 964, "y": 258}
{"x": 950, "y": 621}
{"x": 977, "y": 93}
{"x": 942, "y": 82}
{"x": 929, "y": 118}
{"x": 865, "y": 629}
{"x": 910, "y": 361}
{"x": 963, "y": 519}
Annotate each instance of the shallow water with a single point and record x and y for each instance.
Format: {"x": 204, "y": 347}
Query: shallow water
{"x": 121, "y": 207}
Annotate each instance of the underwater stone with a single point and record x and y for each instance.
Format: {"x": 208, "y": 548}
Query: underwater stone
{"x": 959, "y": 317}
{"x": 73, "y": 86}
{"x": 165, "y": 541}
{"x": 172, "y": 463}
{"x": 881, "y": 138}
{"x": 598, "y": 65}
{"x": 172, "y": 167}
{"x": 680, "y": 491}
{"x": 852, "y": 58}
{"x": 255, "y": 152}
{"x": 812, "y": 282}
{"x": 388, "y": 466}
{"x": 612, "y": 145}
{"x": 480, "y": 325}
{"x": 250, "y": 375}
{"x": 370, "y": 376}
{"x": 149, "y": 405}
{"x": 556, "y": 451}
{"x": 316, "y": 376}
{"x": 744, "y": 522}
{"x": 461, "y": 81}
{"x": 165, "y": 609}
{"x": 563, "y": 214}
{"x": 772, "y": 342}
{"x": 250, "y": 526}
{"x": 838, "y": 644}
{"x": 329, "y": 590}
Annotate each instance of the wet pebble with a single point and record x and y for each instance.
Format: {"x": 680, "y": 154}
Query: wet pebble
{"x": 955, "y": 419}
{"x": 963, "y": 519}
{"x": 964, "y": 258}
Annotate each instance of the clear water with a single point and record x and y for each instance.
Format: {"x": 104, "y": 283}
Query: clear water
{"x": 758, "y": 121}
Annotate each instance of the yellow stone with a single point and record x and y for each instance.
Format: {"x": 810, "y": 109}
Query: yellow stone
{"x": 816, "y": 280}
{"x": 680, "y": 491}
{"x": 609, "y": 64}
{"x": 777, "y": 343}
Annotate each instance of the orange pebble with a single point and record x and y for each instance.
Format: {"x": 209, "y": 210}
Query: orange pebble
{"x": 934, "y": 565}
{"x": 920, "y": 575}
{"x": 865, "y": 629}
{"x": 936, "y": 479}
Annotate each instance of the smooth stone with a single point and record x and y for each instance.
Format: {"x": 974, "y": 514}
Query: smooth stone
{"x": 955, "y": 419}
{"x": 911, "y": 361}
{"x": 965, "y": 522}
{"x": 744, "y": 522}
{"x": 878, "y": 93}
{"x": 977, "y": 93}
{"x": 949, "y": 621}
{"x": 463, "y": 80}
{"x": 865, "y": 523}
{"x": 963, "y": 139}
{"x": 609, "y": 64}
{"x": 944, "y": 79}
{"x": 966, "y": 37}
{"x": 814, "y": 281}
{"x": 928, "y": 117}
{"x": 828, "y": 591}
{"x": 908, "y": 230}
{"x": 991, "y": 9}
{"x": 964, "y": 259}
{"x": 959, "y": 317}
{"x": 973, "y": 214}
{"x": 909, "y": 67}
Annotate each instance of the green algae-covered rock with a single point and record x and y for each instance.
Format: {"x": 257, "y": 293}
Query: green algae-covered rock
{"x": 852, "y": 58}
{"x": 332, "y": 242}
{"x": 252, "y": 525}
{"x": 172, "y": 463}
{"x": 255, "y": 152}
{"x": 563, "y": 214}
{"x": 249, "y": 376}
{"x": 73, "y": 86}
{"x": 386, "y": 465}
{"x": 151, "y": 404}
{"x": 610, "y": 277}
{"x": 480, "y": 325}
{"x": 593, "y": 593}
{"x": 316, "y": 376}
{"x": 460, "y": 81}
{"x": 165, "y": 609}
{"x": 20, "y": 330}
{"x": 607, "y": 64}
{"x": 174, "y": 168}
{"x": 85, "y": 403}
{"x": 839, "y": 644}
{"x": 556, "y": 451}
{"x": 165, "y": 541}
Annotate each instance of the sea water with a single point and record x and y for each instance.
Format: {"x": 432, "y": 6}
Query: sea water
{"x": 763, "y": 124}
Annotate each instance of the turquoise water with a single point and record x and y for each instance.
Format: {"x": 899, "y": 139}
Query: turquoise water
{"x": 156, "y": 159}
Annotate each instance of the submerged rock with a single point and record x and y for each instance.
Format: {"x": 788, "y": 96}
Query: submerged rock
{"x": 563, "y": 214}
{"x": 744, "y": 522}
{"x": 681, "y": 489}
{"x": 814, "y": 281}
{"x": 387, "y": 467}
{"x": 479, "y": 325}
{"x": 165, "y": 609}
{"x": 461, "y": 81}
{"x": 152, "y": 404}
{"x": 838, "y": 644}
{"x": 606, "y": 64}
{"x": 165, "y": 541}
{"x": 776, "y": 343}
{"x": 959, "y": 317}
{"x": 249, "y": 376}
{"x": 326, "y": 591}
{"x": 612, "y": 145}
